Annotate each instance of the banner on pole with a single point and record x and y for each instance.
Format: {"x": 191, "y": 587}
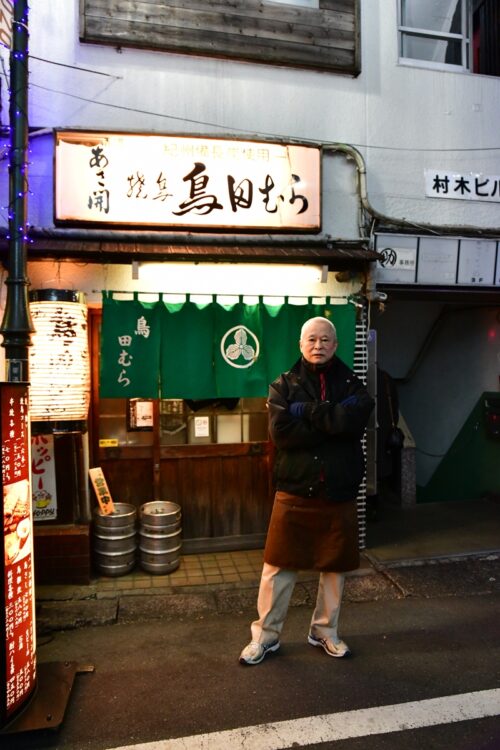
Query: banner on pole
{"x": 17, "y": 595}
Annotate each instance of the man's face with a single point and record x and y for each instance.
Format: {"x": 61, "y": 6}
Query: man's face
{"x": 317, "y": 343}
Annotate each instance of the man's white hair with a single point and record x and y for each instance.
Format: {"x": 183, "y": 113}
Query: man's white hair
{"x": 318, "y": 319}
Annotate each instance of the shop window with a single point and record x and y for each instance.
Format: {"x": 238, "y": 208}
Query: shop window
{"x": 184, "y": 422}
{"x": 460, "y": 35}
{"x": 115, "y": 429}
{"x": 215, "y": 421}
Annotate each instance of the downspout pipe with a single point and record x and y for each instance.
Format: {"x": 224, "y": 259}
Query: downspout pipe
{"x": 365, "y": 226}
{"x": 389, "y": 221}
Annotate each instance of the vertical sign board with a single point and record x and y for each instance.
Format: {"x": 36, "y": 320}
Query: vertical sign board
{"x": 43, "y": 478}
{"x": 17, "y": 613}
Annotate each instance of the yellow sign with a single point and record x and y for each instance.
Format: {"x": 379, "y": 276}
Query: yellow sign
{"x": 102, "y": 491}
{"x": 167, "y": 181}
{"x": 108, "y": 443}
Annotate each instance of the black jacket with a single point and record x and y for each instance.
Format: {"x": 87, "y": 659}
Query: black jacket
{"x": 321, "y": 448}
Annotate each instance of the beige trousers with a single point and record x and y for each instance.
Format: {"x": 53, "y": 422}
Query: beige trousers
{"x": 276, "y": 588}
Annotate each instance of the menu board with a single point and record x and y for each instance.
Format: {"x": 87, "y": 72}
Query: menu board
{"x": 17, "y": 613}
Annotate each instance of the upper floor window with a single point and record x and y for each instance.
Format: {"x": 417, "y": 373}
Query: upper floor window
{"x": 451, "y": 34}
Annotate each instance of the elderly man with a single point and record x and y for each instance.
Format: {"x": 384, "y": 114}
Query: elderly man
{"x": 317, "y": 415}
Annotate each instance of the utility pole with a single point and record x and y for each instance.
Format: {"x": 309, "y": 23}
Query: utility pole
{"x": 17, "y": 325}
{"x": 17, "y": 594}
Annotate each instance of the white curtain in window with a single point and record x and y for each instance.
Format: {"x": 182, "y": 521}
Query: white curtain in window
{"x": 437, "y": 17}
{"x": 433, "y": 15}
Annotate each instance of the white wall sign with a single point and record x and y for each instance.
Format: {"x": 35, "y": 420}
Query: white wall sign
{"x": 468, "y": 187}
{"x": 399, "y": 259}
{"x": 150, "y": 180}
{"x": 437, "y": 260}
{"x": 447, "y": 261}
{"x": 477, "y": 262}
{"x": 201, "y": 427}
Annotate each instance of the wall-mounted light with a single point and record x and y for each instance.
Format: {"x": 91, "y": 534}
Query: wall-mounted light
{"x": 59, "y": 357}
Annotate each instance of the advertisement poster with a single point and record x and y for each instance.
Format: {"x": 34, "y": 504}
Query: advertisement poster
{"x": 18, "y": 616}
{"x": 43, "y": 478}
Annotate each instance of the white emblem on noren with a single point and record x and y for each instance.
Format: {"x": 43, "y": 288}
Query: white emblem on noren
{"x": 240, "y": 348}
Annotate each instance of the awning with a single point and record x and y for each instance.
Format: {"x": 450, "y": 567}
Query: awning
{"x": 125, "y": 246}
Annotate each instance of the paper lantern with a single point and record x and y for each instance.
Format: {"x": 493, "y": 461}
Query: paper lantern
{"x": 59, "y": 356}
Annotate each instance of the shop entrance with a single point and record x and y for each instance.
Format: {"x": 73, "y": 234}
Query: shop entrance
{"x": 212, "y": 457}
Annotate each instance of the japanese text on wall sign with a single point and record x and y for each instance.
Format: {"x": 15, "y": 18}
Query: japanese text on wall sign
{"x": 158, "y": 180}
{"x": 476, "y": 187}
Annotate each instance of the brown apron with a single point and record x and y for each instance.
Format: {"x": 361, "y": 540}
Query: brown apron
{"x": 312, "y": 534}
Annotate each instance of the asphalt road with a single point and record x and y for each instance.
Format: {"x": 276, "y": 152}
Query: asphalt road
{"x": 434, "y": 633}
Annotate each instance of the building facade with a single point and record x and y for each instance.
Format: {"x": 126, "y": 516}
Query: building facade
{"x": 401, "y": 98}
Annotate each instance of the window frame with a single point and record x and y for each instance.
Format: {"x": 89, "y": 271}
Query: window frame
{"x": 465, "y": 37}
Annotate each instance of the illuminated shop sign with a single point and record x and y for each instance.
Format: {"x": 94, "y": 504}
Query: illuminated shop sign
{"x": 18, "y": 619}
{"x": 163, "y": 181}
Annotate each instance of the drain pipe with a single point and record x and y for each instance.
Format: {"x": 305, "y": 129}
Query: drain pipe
{"x": 365, "y": 208}
{"x": 352, "y": 153}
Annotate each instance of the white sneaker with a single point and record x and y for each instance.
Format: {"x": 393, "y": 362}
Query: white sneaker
{"x": 255, "y": 652}
{"x": 338, "y": 650}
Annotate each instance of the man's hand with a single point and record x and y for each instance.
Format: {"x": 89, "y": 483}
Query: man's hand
{"x": 297, "y": 409}
{"x": 349, "y": 401}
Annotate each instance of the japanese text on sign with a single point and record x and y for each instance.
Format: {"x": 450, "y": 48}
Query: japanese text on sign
{"x": 475, "y": 187}
{"x": 160, "y": 180}
{"x": 125, "y": 358}
{"x": 102, "y": 491}
{"x": 44, "y": 491}
{"x": 19, "y": 658}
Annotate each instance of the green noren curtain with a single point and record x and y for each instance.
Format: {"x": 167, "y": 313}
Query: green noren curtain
{"x": 130, "y": 349}
{"x": 206, "y": 351}
{"x": 186, "y": 350}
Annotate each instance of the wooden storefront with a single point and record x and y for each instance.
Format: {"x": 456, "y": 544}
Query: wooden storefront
{"x": 224, "y": 489}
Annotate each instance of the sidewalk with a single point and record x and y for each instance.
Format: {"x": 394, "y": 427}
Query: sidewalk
{"x": 410, "y": 552}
